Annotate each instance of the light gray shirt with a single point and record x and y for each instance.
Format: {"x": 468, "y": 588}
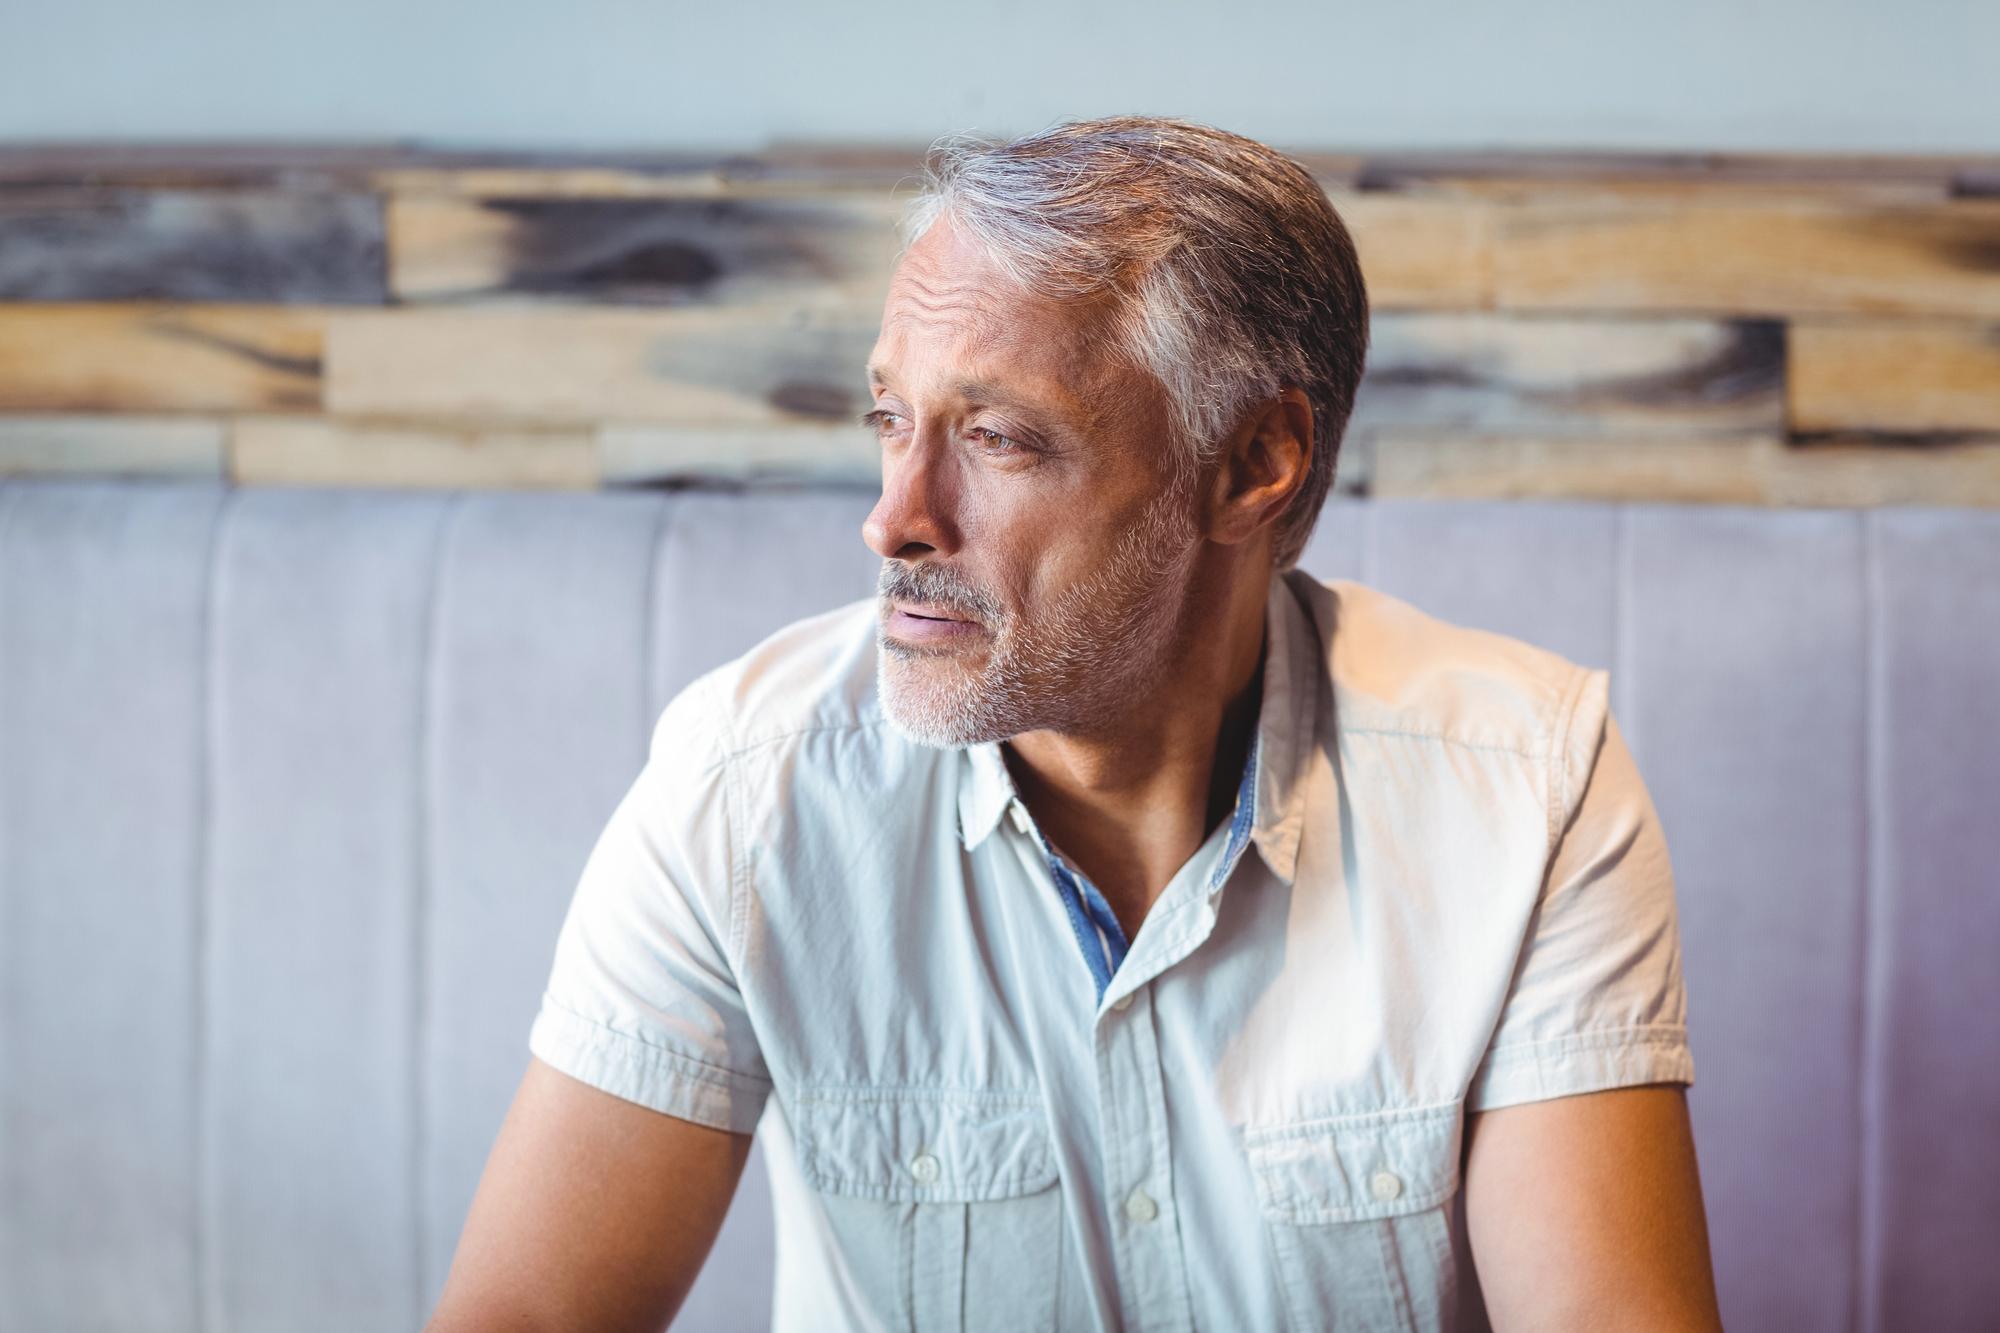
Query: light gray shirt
{"x": 1454, "y": 897}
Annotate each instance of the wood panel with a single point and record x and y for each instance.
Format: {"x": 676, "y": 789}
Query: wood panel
{"x": 642, "y": 454}
{"x": 1801, "y": 258}
{"x": 1755, "y": 471}
{"x": 184, "y": 245}
{"x": 750, "y": 366}
{"x": 324, "y": 451}
{"x": 147, "y": 358}
{"x": 112, "y": 446}
{"x": 1898, "y": 376}
{"x": 1648, "y": 378}
{"x": 828, "y": 249}
{"x": 1421, "y": 253}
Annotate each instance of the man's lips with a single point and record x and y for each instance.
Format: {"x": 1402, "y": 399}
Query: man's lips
{"x": 916, "y": 622}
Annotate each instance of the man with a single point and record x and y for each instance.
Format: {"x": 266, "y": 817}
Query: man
{"x": 1109, "y": 928}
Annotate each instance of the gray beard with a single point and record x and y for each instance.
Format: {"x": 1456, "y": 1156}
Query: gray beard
{"x": 1071, "y": 669}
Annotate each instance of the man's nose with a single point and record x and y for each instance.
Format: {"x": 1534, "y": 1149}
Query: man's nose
{"x": 916, "y": 515}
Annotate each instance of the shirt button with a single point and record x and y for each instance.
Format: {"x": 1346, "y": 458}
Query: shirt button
{"x": 1141, "y": 1208}
{"x": 1020, "y": 814}
{"x": 925, "y": 1168}
{"x": 1386, "y": 1185}
{"x": 1123, "y": 1002}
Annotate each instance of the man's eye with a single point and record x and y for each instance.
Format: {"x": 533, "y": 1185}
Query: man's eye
{"x": 993, "y": 439}
{"x": 885, "y": 422}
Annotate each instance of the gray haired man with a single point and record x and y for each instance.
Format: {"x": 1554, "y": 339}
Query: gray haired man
{"x": 1110, "y": 927}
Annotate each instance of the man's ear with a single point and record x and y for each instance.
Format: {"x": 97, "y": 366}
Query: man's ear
{"x": 1261, "y": 466}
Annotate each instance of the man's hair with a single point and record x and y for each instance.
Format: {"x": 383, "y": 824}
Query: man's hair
{"x": 1232, "y": 275}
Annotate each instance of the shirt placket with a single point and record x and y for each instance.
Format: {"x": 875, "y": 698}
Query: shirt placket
{"x": 1138, "y": 1167}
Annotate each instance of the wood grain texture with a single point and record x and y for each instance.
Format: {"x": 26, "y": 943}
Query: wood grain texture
{"x": 662, "y": 251}
{"x": 182, "y": 245}
{"x": 148, "y": 358}
{"x": 1780, "y": 259}
{"x": 321, "y": 451}
{"x": 1499, "y": 375}
{"x": 822, "y": 455}
{"x": 1685, "y": 471}
{"x": 1902, "y": 376}
{"x": 1421, "y": 253}
{"x": 745, "y": 366}
{"x": 111, "y": 446}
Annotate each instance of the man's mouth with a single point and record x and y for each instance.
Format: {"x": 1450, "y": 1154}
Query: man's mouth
{"x": 928, "y": 623}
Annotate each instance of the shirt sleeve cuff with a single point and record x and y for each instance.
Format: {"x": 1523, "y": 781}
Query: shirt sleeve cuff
{"x": 1582, "y": 1062}
{"x": 638, "y": 1071}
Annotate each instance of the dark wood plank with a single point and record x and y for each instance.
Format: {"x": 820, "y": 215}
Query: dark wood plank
{"x": 186, "y": 245}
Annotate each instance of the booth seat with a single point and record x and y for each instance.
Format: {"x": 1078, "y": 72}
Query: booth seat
{"x": 295, "y": 786}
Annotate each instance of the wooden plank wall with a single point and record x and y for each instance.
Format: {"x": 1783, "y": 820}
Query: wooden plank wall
{"x": 1756, "y": 330}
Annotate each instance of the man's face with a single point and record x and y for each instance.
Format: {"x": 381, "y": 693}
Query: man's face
{"x": 1037, "y": 534}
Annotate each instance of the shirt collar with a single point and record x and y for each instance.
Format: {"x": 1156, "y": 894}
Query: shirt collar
{"x": 985, "y": 788}
{"x": 1286, "y": 721}
{"x": 1286, "y": 724}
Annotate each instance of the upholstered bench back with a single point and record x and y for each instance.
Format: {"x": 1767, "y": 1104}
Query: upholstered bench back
{"x": 294, "y": 787}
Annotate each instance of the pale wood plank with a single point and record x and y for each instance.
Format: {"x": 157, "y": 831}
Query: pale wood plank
{"x": 318, "y": 451}
{"x": 108, "y": 445}
{"x": 1421, "y": 253}
{"x": 1749, "y": 472}
{"x": 1797, "y": 258}
{"x": 746, "y": 366}
{"x": 837, "y": 455}
{"x": 1899, "y": 376}
{"x": 1537, "y": 375}
{"x": 823, "y": 249}
{"x": 144, "y": 358}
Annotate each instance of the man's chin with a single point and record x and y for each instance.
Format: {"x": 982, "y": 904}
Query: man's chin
{"x": 934, "y": 702}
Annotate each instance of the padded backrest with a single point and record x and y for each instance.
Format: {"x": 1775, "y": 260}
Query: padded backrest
{"x": 294, "y": 787}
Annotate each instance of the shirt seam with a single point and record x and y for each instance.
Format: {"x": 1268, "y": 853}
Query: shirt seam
{"x": 1517, "y": 751}
{"x": 636, "y": 1050}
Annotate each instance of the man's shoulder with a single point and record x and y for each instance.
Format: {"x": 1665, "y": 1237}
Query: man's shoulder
{"x": 814, "y": 675}
{"x": 1396, "y": 669}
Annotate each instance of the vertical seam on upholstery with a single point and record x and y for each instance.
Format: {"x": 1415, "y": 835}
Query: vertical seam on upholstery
{"x": 9, "y": 495}
{"x": 207, "y": 1200}
{"x": 1873, "y": 960}
{"x": 650, "y": 705}
{"x": 1624, "y": 631}
{"x": 1368, "y": 571}
{"x": 420, "y": 903}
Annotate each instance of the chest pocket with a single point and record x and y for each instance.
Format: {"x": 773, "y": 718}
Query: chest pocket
{"x": 1359, "y": 1210}
{"x": 943, "y": 1203}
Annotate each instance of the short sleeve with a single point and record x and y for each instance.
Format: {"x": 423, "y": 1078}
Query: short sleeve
{"x": 1597, "y": 1000}
{"x": 643, "y": 1001}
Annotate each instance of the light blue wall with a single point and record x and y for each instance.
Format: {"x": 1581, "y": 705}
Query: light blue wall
{"x": 1836, "y": 75}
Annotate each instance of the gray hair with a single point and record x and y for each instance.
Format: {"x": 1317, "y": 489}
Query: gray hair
{"x": 1234, "y": 275}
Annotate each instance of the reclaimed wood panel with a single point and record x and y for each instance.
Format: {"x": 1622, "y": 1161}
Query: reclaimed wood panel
{"x": 749, "y": 366}
{"x": 1906, "y": 377}
{"x": 323, "y": 451}
{"x": 112, "y": 446}
{"x": 146, "y": 358}
{"x": 184, "y": 245}
{"x": 1754, "y": 471}
{"x": 658, "y": 251}
{"x": 1465, "y": 467}
{"x": 822, "y": 455}
{"x": 1421, "y": 253}
{"x": 1648, "y": 378}
{"x": 1801, "y": 258}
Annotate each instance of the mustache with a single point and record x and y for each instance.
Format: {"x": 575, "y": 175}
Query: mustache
{"x": 941, "y": 586}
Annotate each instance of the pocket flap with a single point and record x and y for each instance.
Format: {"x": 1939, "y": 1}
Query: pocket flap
{"x": 1355, "y": 1168}
{"x": 923, "y": 1145}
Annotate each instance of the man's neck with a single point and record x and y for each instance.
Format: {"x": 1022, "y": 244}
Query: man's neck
{"x": 1129, "y": 804}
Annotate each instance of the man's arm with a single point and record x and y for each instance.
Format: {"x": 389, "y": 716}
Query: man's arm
{"x": 1585, "y": 1213}
{"x": 593, "y": 1213}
